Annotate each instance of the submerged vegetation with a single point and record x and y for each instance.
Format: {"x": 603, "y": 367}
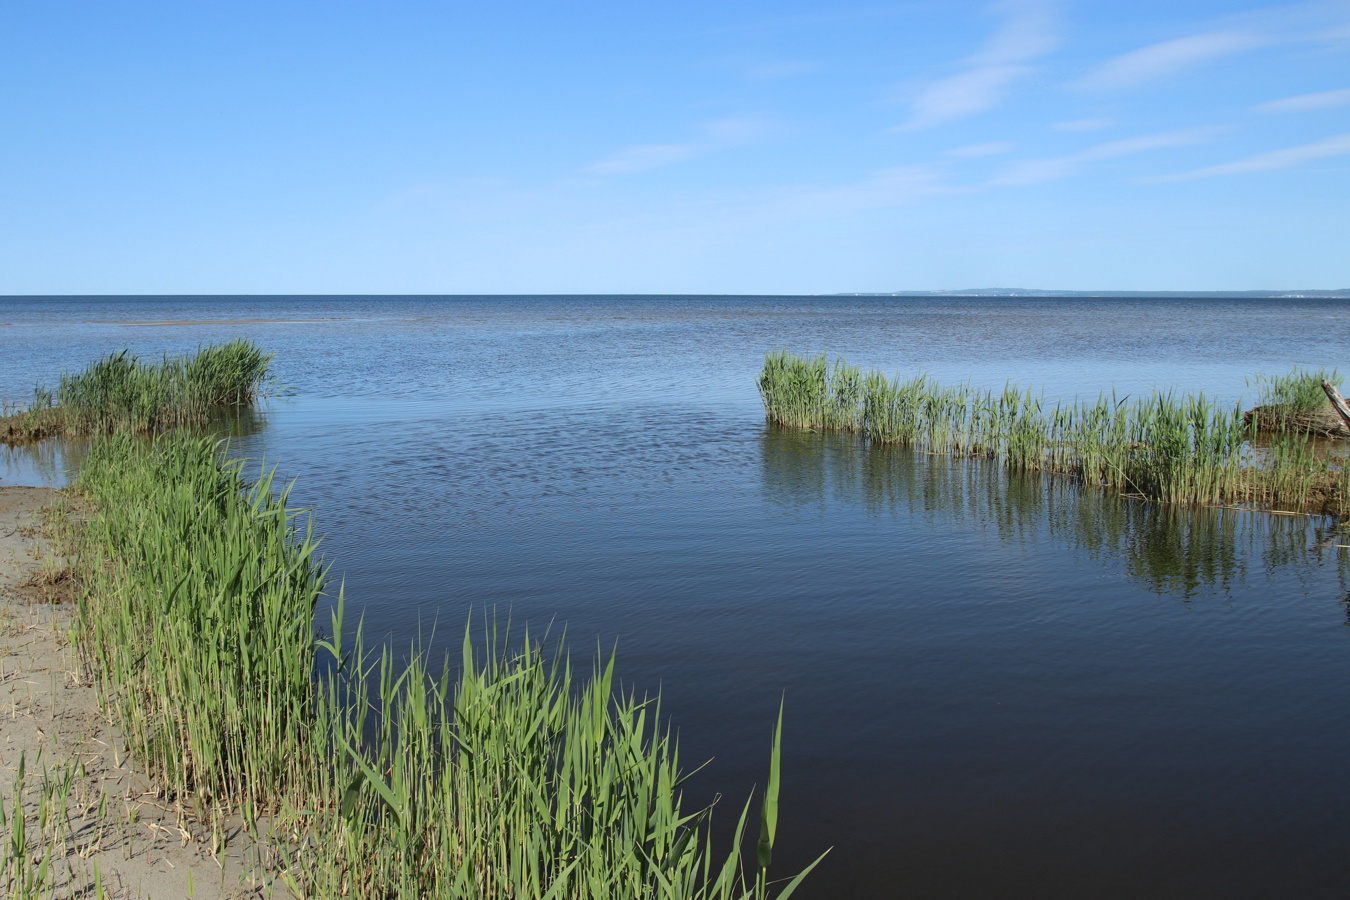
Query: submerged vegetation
{"x": 197, "y": 590}
{"x": 123, "y": 393}
{"x": 1185, "y": 450}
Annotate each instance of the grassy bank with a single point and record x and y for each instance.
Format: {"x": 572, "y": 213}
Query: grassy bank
{"x": 1184, "y": 450}
{"x": 123, "y": 393}
{"x": 512, "y": 777}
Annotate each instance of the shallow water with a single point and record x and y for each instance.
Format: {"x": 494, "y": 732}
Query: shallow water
{"x": 994, "y": 685}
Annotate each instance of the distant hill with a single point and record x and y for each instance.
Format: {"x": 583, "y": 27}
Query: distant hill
{"x": 1341, "y": 294}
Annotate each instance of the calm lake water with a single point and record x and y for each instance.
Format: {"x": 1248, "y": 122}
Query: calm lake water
{"x": 994, "y": 686}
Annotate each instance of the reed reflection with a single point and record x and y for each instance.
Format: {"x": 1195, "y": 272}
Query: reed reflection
{"x": 38, "y": 463}
{"x": 54, "y": 462}
{"x": 232, "y": 422}
{"x": 1173, "y": 551}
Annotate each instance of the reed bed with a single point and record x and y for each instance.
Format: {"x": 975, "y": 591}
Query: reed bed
{"x": 197, "y": 593}
{"x": 520, "y": 780}
{"x": 123, "y": 393}
{"x": 1183, "y": 450}
{"x": 517, "y": 779}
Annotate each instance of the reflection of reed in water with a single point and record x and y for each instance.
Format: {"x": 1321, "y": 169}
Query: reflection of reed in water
{"x": 236, "y": 421}
{"x": 42, "y": 458}
{"x": 55, "y": 461}
{"x": 1172, "y": 550}
{"x": 52, "y": 461}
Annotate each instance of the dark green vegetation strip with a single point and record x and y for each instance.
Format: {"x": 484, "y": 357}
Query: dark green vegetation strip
{"x": 517, "y": 780}
{"x": 122, "y": 393}
{"x": 1183, "y": 450}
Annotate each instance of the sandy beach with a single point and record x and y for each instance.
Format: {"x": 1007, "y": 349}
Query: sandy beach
{"x": 120, "y": 830}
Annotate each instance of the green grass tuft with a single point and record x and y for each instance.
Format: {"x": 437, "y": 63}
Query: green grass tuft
{"x": 1298, "y": 393}
{"x": 122, "y": 393}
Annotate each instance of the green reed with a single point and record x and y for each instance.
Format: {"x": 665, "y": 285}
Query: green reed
{"x": 1298, "y": 393}
{"x": 517, "y": 779}
{"x": 520, "y": 779}
{"x": 123, "y": 393}
{"x": 1185, "y": 450}
{"x": 197, "y": 591}
{"x": 809, "y": 395}
{"x": 40, "y": 842}
{"x": 1293, "y": 402}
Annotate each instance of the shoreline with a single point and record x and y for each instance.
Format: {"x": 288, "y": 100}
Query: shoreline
{"x": 117, "y": 829}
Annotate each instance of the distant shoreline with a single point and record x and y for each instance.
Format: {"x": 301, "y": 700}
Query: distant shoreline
{"x": 1341, "y": 294}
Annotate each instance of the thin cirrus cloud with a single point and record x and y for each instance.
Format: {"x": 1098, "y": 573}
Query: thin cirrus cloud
{"x": 1285, "y": 158}
{"x": 1038, "y": 171}
{"x": 962, "y": 95}
{"x": 883, "y": 188}
{"x": 643, "y": 158}
{"x": 975, "y": 151}
{"x": 1306, "y": 102}
{"x": 1167, "y": 58}
{"x": 1096, "y": 124}
{"x": 1029, "y": 31}
{"x": 715, "y": 135}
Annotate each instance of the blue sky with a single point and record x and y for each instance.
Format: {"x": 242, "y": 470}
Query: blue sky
{"x": 689, "y": 147}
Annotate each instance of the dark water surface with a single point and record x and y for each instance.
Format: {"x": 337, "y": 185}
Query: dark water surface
{"x": 995, "y": 686}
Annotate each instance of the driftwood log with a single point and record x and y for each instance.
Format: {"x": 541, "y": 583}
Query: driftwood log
{"x": 1337, "y": 403}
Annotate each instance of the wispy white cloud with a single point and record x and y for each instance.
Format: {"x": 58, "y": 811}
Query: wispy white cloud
{"x": 1286, "y": 158}
{"x": 1157, "y": 61}
{"x": 713, "y": 135}
{"x": 1037, "y": 171}
{"x": 757, "y": 209}
{"x": 1306, "y": 102}
{"x": 881, "y": 189}
{"x": 991, "y": 148}
{"x": 1096, "y": 124}
{"x": 1029, "y": 31}
{"x": 962, "y": 95}
{"x": 643, "y": 157}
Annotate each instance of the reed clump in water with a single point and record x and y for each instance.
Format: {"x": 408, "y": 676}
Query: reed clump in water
{"x": 1295, "y": 402}
{"x": 523, "y": 779}
{"x": 123, "y": 393}
{"x": 1185, "y": 450}
{"x": 517, "y": 780}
